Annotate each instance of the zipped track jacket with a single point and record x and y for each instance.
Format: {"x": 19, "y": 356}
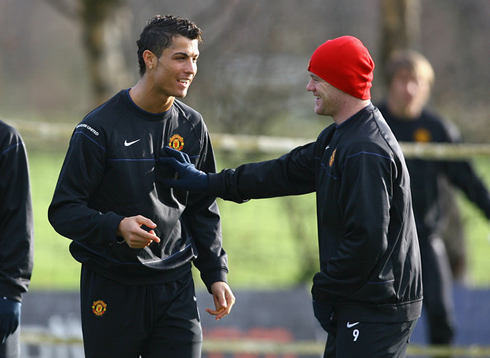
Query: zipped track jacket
{"x": 369, "y": 252}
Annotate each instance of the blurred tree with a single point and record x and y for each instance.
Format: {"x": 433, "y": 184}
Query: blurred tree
{"x": 400, "y": 26}
{"x": 92, "y": 15}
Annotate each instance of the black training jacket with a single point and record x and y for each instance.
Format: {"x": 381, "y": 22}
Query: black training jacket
{"x": 426, "y": 175}
{"x": 369, "y": 253}
{"x": 111, "y": 171}
{"x": 16, "y": 220}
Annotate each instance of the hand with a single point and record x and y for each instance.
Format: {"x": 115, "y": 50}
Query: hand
{"x": 189, "y": 177}
{"x": 132, "y": 230}
{"x": 223, "y": 300}
{"x": 9, "y": 317}
{"x": 323, "y": 313}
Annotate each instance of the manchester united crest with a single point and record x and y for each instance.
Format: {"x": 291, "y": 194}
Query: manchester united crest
{"x": 332, "y": 158}
{"x": 422, "y": 135}
{"x": 176, "y": 142}
{"x": 99, "y": 307}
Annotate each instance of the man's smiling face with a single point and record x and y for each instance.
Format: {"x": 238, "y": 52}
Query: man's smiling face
{"x": 176, "y": 67}
{"x": 327, "y": 97}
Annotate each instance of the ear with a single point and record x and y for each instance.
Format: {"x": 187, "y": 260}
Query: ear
{"x": 150, "y": 59}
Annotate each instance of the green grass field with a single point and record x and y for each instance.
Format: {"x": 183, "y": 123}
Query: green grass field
{"x": 270, "y": 243}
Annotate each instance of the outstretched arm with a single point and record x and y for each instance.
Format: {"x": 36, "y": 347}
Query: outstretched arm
{"x": 291, "y": 174}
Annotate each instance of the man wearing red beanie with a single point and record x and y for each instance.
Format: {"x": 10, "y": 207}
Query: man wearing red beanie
{"x": 346, "y": 64}
{"x": 368, "y": 293}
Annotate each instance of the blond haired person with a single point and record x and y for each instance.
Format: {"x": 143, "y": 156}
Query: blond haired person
{"x": 410, "y": 77}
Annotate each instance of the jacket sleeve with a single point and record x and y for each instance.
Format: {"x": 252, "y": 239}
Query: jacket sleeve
{"x": 202, "y": 219}
{"x": 16, "y": 219}
{"x": 463, "y": 175}
{"x": 291, "y": 174}
{"x": 82, "y": 170}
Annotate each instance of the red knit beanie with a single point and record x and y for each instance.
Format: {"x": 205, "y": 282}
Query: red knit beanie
{"x": 346, "y": 64}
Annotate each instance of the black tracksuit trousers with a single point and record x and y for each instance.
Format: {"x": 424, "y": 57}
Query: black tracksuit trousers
{"x": 150, "y": 321}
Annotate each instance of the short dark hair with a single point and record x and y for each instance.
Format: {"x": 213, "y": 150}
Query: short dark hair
{"x": 159, "y": 32}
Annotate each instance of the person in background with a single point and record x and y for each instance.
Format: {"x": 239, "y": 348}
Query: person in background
{"x": 16, "y": 237}
{"x": 410, "y": 77}
{"x": 136, "y": 239}
{"x": 368, "y": 293}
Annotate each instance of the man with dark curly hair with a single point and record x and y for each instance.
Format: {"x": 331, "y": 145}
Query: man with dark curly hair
{"x": 135, "y": 238}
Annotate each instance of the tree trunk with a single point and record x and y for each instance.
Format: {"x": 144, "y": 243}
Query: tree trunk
{"x": 400, "y": 26}
{"x": 93, "y": 15}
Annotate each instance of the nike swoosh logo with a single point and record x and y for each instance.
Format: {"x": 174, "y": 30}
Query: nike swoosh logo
{"x": 350, "y": 325}
{"x": 127, "y": 144}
